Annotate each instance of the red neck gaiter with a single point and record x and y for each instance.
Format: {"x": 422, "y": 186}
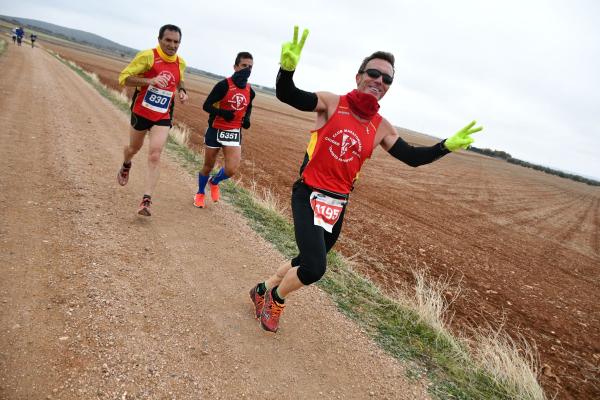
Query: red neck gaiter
{"x": 364, "y": 105}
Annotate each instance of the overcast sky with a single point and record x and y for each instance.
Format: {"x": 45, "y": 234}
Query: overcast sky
{"x": 527, "y": 70}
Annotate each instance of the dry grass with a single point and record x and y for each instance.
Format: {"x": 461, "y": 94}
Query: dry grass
{"x": 180, "y": 134}
{"x": 267, "y": 198}
{"x": 121, "y": 96}
{"x": 511, "y": 363}
{"x": 117, "y": 97}
{"x": 93, "y": 77}
{"x": 74, "y": 65}
{"x": 429, "y": 300}
{"x": 514, "y": 363}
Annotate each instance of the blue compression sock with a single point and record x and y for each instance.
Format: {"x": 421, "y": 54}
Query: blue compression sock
{"x": 220, "y": 176}
{"x": 202, "y": 179}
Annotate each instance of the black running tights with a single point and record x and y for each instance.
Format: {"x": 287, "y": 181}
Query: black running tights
{"x": 313, "y": 241}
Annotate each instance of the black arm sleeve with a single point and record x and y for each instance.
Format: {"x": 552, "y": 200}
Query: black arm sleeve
{"x": 249, "y": 108}
{"x": 216, "y": 94}
{"x": 287, "y": 92}
{"x": 415, "y": 156}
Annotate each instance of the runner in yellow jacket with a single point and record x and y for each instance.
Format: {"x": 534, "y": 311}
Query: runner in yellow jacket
{"x": 158, "y": 75}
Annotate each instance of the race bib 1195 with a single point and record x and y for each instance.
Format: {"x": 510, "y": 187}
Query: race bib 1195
{"x": 326, "y": 210}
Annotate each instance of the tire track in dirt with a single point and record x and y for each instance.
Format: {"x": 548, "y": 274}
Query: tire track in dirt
{"x": 540, "y": 219}
{"x": 572, "y": 222}
{"x": 98, "y": 302}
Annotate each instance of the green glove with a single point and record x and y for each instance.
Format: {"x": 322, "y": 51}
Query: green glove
{"x": 290, "y": 51}
{"x": 462, "y": 139}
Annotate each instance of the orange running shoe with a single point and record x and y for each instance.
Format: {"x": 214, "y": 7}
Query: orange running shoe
{"x": 214, "y": 191}
{"x": 199, "y": 200}
{"x": 258, "y": 300}
{"x": 269, "y": 318}
{"x": 145, "y": 207}
{"x": 123, "y": 175}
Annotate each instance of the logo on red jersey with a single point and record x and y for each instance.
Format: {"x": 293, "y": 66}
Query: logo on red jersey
{"x": 238, "y": 101}
{"x": 169, "y": 76}
{"x": 345, "y": 144}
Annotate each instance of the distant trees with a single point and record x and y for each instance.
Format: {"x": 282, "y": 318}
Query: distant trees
{"x": 505, "y": 156}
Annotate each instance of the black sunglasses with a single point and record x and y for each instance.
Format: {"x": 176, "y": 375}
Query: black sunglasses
{"x": 375, "y": 73}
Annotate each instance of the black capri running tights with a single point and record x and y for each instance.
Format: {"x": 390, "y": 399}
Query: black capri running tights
{"x": 313, "y": 241}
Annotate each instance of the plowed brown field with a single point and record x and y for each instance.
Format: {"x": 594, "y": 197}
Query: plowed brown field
{"x": 525, "y": 244}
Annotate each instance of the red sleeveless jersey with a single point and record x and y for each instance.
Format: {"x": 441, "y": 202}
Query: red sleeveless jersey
{"x": 337, "y": 150}
{"x": 152, "y": 102}
{"x": 236, "y": 100}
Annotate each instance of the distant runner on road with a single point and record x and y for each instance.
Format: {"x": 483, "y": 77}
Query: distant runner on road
{"x": 229, "y": 105}
{"x": 33, "y": 38}
{"x": 158, "y": 75}
{"x": 347, "y": 130}
{"x": 20, "y": 34}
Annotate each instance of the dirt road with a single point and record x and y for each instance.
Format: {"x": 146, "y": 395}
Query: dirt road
{"x": 99, "y": 303}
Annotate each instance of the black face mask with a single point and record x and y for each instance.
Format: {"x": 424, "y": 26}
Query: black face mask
{"x": 240, "y": 78}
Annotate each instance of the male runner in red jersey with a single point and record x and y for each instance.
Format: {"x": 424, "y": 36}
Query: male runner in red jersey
{"x": 347, "y": 130}
{"x": 229, "y": 105}
{"x": 157, "y": 75}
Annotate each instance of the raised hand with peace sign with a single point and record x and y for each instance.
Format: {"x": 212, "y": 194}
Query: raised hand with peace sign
{"x": 290, "y": 51}
{"x": 462, "y": 139}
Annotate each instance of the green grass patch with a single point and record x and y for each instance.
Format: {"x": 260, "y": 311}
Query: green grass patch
{"x": 396, "y": 328}
{"x": 3, "y": 44}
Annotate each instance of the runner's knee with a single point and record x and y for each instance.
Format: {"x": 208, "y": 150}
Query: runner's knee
{"x": 154, "y": 155}
{"x": 132, "y": 149}
{"x": 311, "y": 273}
{"x": 231, "y": 170}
